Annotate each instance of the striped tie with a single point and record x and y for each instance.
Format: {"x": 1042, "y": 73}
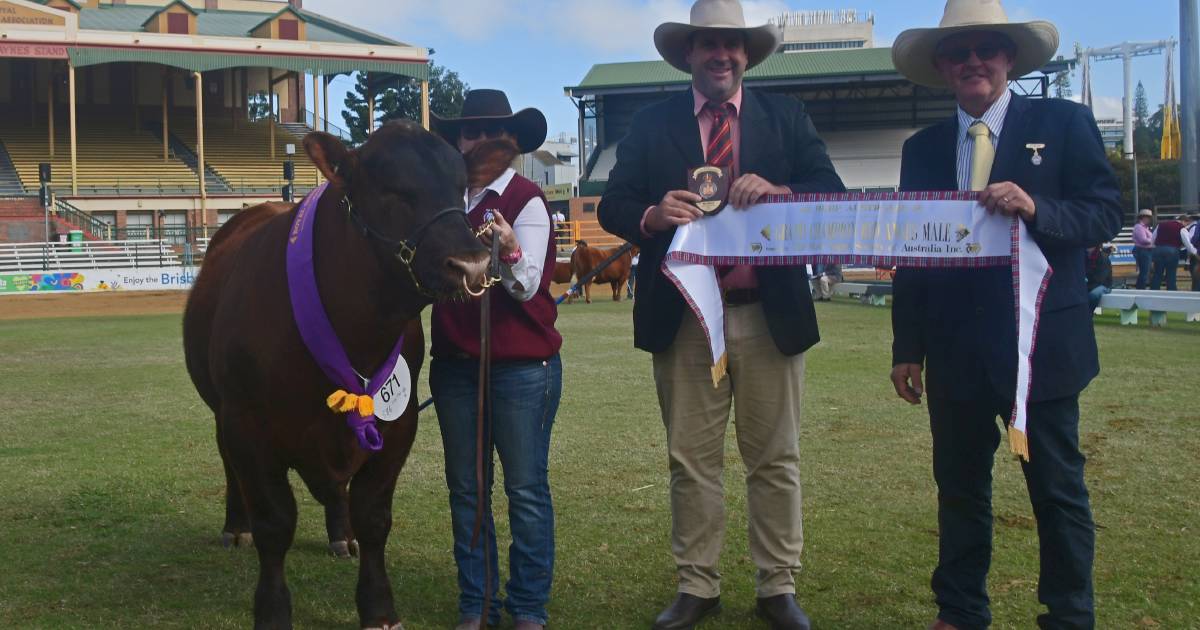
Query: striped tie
{"x": 720, "y": 138}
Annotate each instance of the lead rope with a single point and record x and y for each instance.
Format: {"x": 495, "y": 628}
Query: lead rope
{"x": 483, "y": 428}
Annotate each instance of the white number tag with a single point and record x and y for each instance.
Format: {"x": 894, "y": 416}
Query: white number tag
{"x": 392, "y": 398}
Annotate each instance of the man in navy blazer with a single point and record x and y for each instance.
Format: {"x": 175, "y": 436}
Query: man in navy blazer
{"x": 1041, "y": 160}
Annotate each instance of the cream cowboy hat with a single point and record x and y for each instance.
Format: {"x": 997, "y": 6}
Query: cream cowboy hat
{"x": 671, "y": 38}
{"x": 914, "y": 50}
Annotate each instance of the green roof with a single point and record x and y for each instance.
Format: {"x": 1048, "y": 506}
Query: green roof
{"x": 825, "y": 63}
{"x": 791, "y": 67}
{"x": 219, "y": 23}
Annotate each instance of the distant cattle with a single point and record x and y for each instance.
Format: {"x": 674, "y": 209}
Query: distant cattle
{"x": 584, "y": 259}
{"x": 562, "y": 275}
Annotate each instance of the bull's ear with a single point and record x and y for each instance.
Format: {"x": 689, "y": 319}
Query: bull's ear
{"x": 330, "y": 156}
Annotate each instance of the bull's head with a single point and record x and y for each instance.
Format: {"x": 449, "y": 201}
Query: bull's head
{"x": 404, "y": 189}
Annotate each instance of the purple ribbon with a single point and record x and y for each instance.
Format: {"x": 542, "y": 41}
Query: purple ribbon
{"x": 316, "y": 331}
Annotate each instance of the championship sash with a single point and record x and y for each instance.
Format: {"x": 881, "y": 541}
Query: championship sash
{"x": 928, "y": 230}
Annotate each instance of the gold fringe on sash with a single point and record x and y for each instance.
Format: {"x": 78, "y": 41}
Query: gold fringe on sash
{"x": 1019, "y": 443}
{"x": 718, "y": 370}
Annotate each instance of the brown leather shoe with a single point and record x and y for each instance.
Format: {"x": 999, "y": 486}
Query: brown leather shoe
{"x": 938, "y": 624}
{"x": 782, "y": 612}
{"x": 686, "y": 611}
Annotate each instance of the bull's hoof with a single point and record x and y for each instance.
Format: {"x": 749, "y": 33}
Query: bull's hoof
{"x": 243, "y": 539}
{"x": 344, "y": 549}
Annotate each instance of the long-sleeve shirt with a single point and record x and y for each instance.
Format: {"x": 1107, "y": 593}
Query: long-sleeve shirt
{"x": 1188, "y": 235}
{"x": 1142, "y": 237}
{"x": 532, "y": 229}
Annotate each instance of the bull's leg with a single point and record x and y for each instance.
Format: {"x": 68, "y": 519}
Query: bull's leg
{"x": 371, "y": 515}
{"x": 587, "y": 293}
{"x": 334, "y": 497}
{"x": 618, "y": 289}
{"x": 272, "y": 510}
{"x": 236, "y": 531}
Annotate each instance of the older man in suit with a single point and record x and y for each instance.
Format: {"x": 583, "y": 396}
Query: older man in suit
{"x": 1041, "y": 160}
{"x": 772, "y": 148}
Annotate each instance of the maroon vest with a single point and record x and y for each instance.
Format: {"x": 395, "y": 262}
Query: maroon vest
{"x": 1168, "y": 234}
{"x": 520, "y": 330}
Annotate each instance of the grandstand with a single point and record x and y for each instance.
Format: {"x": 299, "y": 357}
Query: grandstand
{"x": 162, "y": 118}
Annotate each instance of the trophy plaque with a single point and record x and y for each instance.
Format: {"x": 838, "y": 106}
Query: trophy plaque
{"x": 712, "y": 184}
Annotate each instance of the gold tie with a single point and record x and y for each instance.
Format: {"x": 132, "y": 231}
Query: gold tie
{"x": 982, "y": 156}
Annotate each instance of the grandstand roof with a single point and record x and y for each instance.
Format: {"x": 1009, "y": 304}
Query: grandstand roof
{"x": 224, "y": 23}
{"x": 814, "y": 65}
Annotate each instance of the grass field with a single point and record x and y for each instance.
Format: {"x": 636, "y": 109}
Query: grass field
{"x": 111, "y": 490}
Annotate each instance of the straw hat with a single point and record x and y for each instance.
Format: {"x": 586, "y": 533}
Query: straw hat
{"x": 914, "y": 50}
{"x": 671, "y": 38}
{"x": 528, "y": 125}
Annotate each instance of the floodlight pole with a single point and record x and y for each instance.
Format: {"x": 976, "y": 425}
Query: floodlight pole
{"x": 1189, "y": 165}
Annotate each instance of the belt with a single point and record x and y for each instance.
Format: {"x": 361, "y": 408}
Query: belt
{"x": 740, "y": 297}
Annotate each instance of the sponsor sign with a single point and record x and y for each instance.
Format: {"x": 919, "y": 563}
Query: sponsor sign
{"x": 33, "y": 51}
{"x": 558, "y": 192}
{"x": 91, "y": 280}
{"x": 17, "y": 15}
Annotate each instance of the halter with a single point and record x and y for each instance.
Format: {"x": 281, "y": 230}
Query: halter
{"x": 406, "y": 249}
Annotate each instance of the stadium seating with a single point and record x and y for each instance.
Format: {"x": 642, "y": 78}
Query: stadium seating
{"x": 111, "y": 158}
{"x": 242, "y": 157}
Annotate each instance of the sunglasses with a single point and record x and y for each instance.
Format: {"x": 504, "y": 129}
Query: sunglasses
{"x": 473, "y": 132}
{"x": 957, "y": 56}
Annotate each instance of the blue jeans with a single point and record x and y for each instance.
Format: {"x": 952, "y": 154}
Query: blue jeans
{"x": 1143, "y": 257}
{"x": 1095, "y": 294}
{"x": 525, "y": 400}
{"x": 1166, "y": 262}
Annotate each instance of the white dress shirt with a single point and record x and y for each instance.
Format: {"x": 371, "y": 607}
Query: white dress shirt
{"x": 532, "y": 229}
{"x": 994, "y": 119}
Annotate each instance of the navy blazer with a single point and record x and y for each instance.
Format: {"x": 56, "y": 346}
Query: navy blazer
{"x": 778, "y": 143}
{"x": 961, "y": 323}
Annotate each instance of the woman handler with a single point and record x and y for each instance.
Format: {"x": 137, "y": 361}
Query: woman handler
{"x": 526, "y": 373}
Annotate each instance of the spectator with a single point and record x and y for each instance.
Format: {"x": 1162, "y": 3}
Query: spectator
{"x": 1168, "y": 240}
{"x": 1099, "y": 274}
{"x": 1143, "y": 246}
{"x": 825, "y": 277}
{"x": 1190, "y": 235}
{"x": 558, "y": 227}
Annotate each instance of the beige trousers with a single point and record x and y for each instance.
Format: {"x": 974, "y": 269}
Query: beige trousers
{"x": 767, "y": 387}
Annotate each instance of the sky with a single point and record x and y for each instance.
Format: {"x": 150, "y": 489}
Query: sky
{"x": 532, "y": 49}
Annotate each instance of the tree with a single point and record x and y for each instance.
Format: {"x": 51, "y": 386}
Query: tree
{"x": 1062, "y": 84}
{"x": 400, "y": 97}
{"x": 1141, "y": 109}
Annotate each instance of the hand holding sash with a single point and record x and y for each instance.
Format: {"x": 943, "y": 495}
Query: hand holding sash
{"x": 676, "y": 208}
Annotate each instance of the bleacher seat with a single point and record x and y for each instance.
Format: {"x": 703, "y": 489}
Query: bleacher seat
{"x": 111, "y": 158}
{"x": 242, "y": 156}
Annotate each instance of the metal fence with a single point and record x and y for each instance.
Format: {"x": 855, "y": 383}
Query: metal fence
{"x": 119, "y": 254}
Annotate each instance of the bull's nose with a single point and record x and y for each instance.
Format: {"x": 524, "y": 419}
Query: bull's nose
{"x": 471, "y": 270}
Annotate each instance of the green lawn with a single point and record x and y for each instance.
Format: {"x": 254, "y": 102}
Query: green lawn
{"x": 111, "y": 490}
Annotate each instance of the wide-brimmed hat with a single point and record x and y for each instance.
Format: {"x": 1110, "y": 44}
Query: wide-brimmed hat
{"x": 528, "y": 125}
{"x": 671, "y": 38}
{"x": 914, "y": 50}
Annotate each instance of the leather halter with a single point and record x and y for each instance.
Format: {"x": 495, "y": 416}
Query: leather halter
{"x": 405, "y": 249}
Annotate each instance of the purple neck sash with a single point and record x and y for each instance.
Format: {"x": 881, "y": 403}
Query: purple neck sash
{"x": 316, "y": 330}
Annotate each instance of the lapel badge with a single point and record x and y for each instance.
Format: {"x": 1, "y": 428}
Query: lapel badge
{"x": 1037, "y": 157}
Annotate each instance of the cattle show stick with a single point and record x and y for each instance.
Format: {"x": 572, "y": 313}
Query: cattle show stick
{"x": 594, "y": 272}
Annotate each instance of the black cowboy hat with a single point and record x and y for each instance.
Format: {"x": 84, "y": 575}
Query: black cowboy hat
{"x": 528, "y": 126}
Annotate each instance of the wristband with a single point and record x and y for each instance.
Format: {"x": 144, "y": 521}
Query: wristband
{"x": 513, "y": 258}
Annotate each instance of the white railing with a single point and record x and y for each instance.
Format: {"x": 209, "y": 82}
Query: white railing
{"x": 17, "y": 257}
